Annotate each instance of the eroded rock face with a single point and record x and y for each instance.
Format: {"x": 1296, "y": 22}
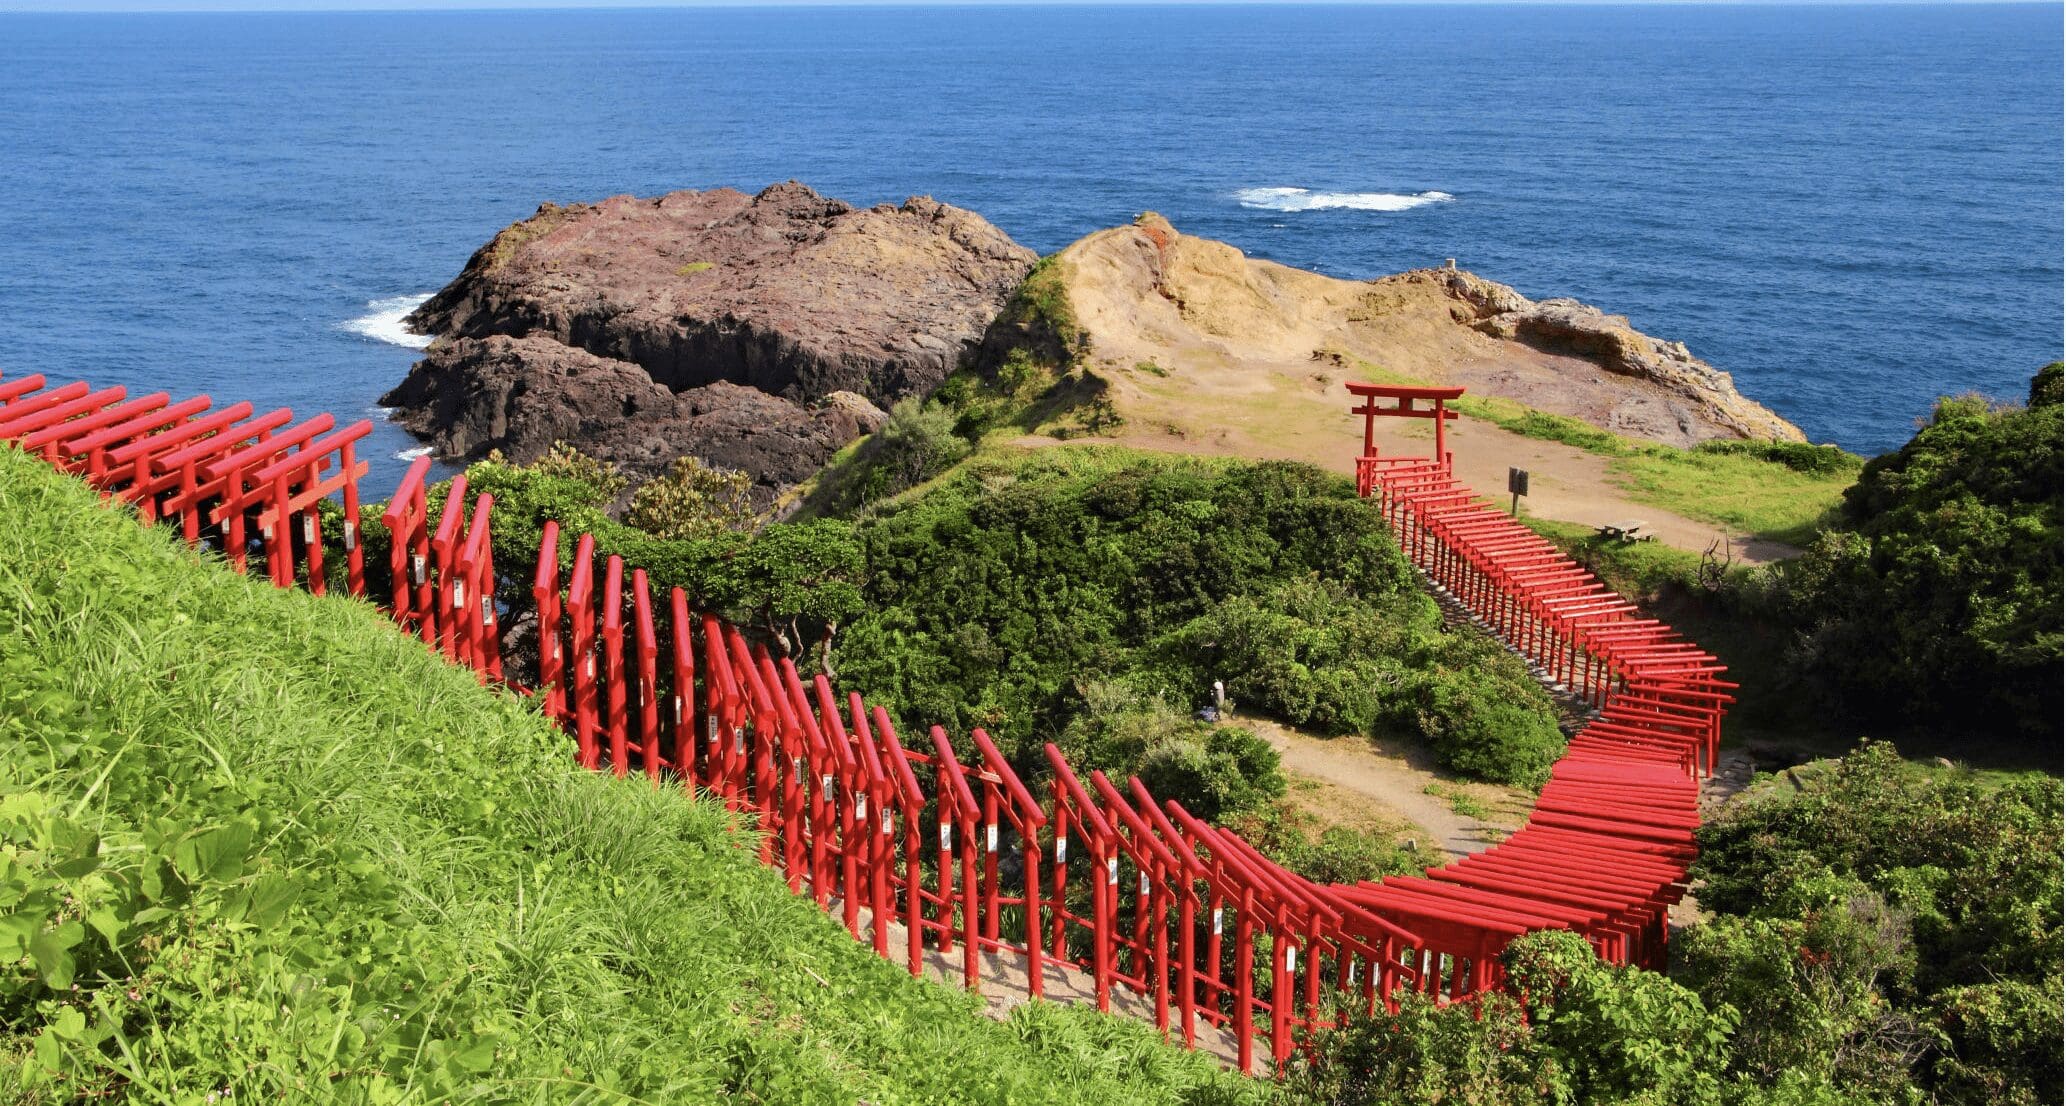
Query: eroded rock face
{"x": 520, "y": 395}
{"x": 1581, "y": 330}
{"x": 756, "y": 332}
{"x": 1238, "y": 329}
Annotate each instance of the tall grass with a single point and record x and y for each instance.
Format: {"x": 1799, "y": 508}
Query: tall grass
{"x": 259, "y": 846}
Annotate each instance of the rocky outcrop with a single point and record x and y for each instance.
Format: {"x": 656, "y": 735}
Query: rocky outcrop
{"x": 520, "y": 395}
{"x": 757, "y": 332}
{"x": 1581, "y": 330}
{"x": 1219, "y": 326}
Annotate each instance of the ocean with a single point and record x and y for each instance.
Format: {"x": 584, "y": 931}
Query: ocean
{"x": 1851, "y": 209}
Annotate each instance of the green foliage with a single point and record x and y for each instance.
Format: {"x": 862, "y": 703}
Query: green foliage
{"x": 1211, "y": 769}
{"x": 915, "y": 445}
{"x": 796, "y": 582}
{"x": 2001, "y": 1043}
{"x": 1815, "y": 460}
{"x": 1888, "y": 927}
{"x": 1581, "y": 1032}
{"x": 600, "y": 480}
{"x": 996, "y": 597}
{"x": 1813, "y": 990}
{"x": 693, "y": 500}
{"x": 1619, "y": 1034}
{"x": 1939, "y": 598}
{"x": 1476, "y": 1055}
{"x": 1335, "y": 854}
{"x": 1483, "y": 714}
{"x": 261, "y": 845}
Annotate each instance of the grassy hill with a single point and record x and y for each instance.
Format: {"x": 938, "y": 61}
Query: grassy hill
{"x": 259, "y": 846}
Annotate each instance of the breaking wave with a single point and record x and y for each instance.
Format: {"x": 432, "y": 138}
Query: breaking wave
{"x": 383, "y": 321}
{"x": 1305, "y": 199}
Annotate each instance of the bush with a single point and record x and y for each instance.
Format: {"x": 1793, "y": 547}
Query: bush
{"x": 999, "y": 596}
{"x": 1336, "y": 854}
{"x": 2001, "y": 1043}
{"x": 1938, "y": 599}
{"x": 915, "y": 445}
{"x": 1815, "y": 460}
{"x": 693, "y": 500}
{"x": 1476, "y": 1055}
{"x": 1582, "y": 1032}
{"x": 1888, "y": 928}
{"x": 1483, "y": 714}
{"x": 1212, "y": 770}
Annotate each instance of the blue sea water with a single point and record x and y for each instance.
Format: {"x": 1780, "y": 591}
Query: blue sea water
{"x": 1853, "y": 209}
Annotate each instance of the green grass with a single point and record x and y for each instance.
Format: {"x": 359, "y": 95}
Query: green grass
{"x": 1460, "y": 801}
{"x": 1779, "y": 491}
{"x": 694, "y": 267}
{"x": 259, "y": 842}
{"x": 1640, "y": 569}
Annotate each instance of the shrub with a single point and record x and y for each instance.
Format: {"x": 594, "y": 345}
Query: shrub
{"x": 1938, "y": 599}
{"x": 915, "y": 445}
{"x": 1815, "y": 460}
{"x": 1888, "y": 931}
{"x": 1620, "y": 1034}
{"x": 1478, "y": 1055}
{"x": 997, "y": 597}
{"x": 693, "y": 500}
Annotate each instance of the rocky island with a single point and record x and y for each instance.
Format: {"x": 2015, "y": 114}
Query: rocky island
{"x": 759, "y": 333}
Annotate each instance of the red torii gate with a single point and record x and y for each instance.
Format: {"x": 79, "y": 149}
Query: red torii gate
{"x": 1406, "y": 395}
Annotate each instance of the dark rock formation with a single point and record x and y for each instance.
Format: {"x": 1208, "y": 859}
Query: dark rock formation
{"x": 520, "y": 395}
{"x": 713, "y": 324}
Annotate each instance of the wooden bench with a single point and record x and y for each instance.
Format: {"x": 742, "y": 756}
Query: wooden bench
{"x": 1631, "y": 530}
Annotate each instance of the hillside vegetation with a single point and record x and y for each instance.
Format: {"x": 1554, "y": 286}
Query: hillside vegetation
{"x": 1925, "y": 607}
{"x": 259, "y": 846}
{"x": 1885, "y": 935}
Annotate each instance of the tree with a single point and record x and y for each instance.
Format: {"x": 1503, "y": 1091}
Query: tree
{"x": 1939, "y": 595}
{"x": 801, "y": 581}
{"x": 693, "y": 500}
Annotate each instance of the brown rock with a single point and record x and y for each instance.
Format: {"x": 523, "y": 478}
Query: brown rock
{"x": 712, "y": 323}
{"x": 1567, "y": 326}
{"x": 520, "y": 395}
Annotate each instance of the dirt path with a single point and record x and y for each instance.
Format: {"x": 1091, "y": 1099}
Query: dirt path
{"x": 1392, "y": 778}
{"x": 1565, "y": 483}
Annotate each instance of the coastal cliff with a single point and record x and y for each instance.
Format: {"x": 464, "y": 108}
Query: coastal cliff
{"x": 757, "y": 332}
{"x": 764, "y": 333}
{"x": 1215, "y": 321}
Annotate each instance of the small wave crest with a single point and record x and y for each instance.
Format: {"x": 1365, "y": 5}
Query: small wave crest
{"x": 1305, "y": 199}
{"x": 412, "y": 454}
{"x": 382, "y": 321}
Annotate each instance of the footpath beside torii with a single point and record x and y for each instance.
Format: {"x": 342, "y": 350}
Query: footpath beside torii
{"x": 937, "y": 848}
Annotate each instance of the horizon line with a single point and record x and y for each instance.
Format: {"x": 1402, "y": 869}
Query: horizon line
{"x": 392, "y": 7}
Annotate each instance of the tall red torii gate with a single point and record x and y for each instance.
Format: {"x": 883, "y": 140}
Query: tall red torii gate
{"x": 1406, "y": 395}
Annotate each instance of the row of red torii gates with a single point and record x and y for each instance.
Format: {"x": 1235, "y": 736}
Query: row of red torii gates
{"x": 935, "y": 845}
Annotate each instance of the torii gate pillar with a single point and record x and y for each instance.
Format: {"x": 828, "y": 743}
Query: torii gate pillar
{"x": 1406, "y": 397}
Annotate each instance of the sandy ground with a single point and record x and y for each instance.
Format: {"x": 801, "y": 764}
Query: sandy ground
{"x": 1313, "y": 424}
{"x": 1364, "y": 781}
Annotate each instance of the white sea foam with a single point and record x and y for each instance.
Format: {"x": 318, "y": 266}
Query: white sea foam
{"x": 412, "y": 454}
{"x": 383, "y": 321}
{"x": 1305, "y": 199}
